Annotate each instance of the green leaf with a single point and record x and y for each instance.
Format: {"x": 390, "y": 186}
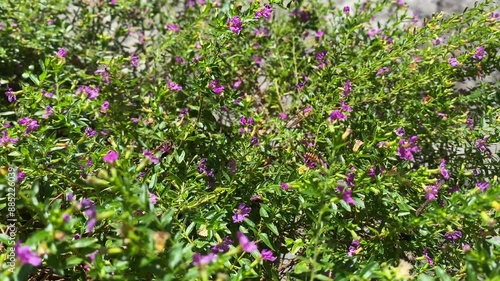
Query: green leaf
{"x": 301, "y": 267}
{"x": 85, "y": 242}
{"x": 273, "y": 228}
{"x": 265, "y": 238}
{"x": 72, "y": 261}
{"x": 442, "y": 274}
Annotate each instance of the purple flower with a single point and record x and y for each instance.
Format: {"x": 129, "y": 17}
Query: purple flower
{"x": 350, "y": 179}
{"x": 482, "y": 186}
{"x": 400, "y": 132}
{"x": 112, "y": 156}
{"x": 283, "y": 116}
{"x": 48, "y": 112}
{"x": 151, "y": 156}
{"x": 232, "y": 166}
{"x": 31, "y": 124}
{"x": 267, "y": 255}
{"x": 264, "y": 12}
{"x": 247, "y": 245}
{"x": 346, "y": 9}
{"x": 235, "y": 24}
{"x": 453, "y": 62}
{"x": 70, "y": 196}
{"x": 134, "y": 60}
{"x": 66, "y": 217}
{"x": 90, "y": 211}
{"x": 223, "y": 246}
{"x": 429, "y": 260}
{"x": 494, "y": 16}
{"x": 347, "y": 88}
{"x": 199, "y": 259}
{"x": 25, "y": 255}
{"x": 431, "y": 192}
{"x": 47, "y": 95}
{"x": 407, "y": 148}
{"x": 345, "y": 194}
{"x": 481, "y": 143}
{"x": 20, "y": 175}
{"x": 319, "y": 33}
{"x": 258, "y": 61}
{"x": 241, "y": 213}
{"x": 443, "y": 171}
{"x": 372, "y": 32}
{"x": 103, "y": 72}
{"x": 92, "y": 92}
{"x": 172, "y": 27}
{"x": 153, "y": 198}
{"x": 322, "y": 60}
{"x": 345, "y": 107}
{"x": 453, "y": 235}
{"x": 89, "y": 132}
{"x": 284, "y": 186}
{"x": 105, "y": 106}
{"x": 383, "y": 71}
{"x": 337, "y": 115}
{"x": 174, "y": 86}
{"x": 353, "y": 248}
{"x": 438, "y": 41}
{"x": 216, "y": 87}
{"x": 5, "y": 139}
{"x": 61, "y": 53}
{"x": 479, "y": 53}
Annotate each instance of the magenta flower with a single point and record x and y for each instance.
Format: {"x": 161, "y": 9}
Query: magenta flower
{"x": 426, "y": 254}
{"x": 90, "y": 211}
{"x": 383, "y": 71}
{"x": 453, "y": 62}
{"x": 89, "y": 132}
{"x": 134, "y": 60}
{"x": 174, "y": 86}
{"x": 247, "y": 245}
{"x": 199, "y": 259}
{"x": 223, "y": 246}
{"x": 153, "y": 198}
{"x": 61, "y": 53}
{"x": 442, "y": 169}
{"x": 105, "y": 106}
{"x": 319, "y": 33}
{"x": 347, "y": 88}
{"x": 264, "y": 12}
{"x": 30, "y": 124}
{"x": 481, "y": 143}
{"x": 103, "y": 72}
{"x": 345, "y": 194}
{"x": 20, "y": 175}
{"x": 235, "y": 24}
{"x": 482, "y": 186}
{"x": 431, "y": 192}
{"x": 400, "y": 132}
{"x": 353, "y": 248}
{"x": 10, "y": 94}
{"x": 25, "y": 255}
{"x": 407, "y": 148}
{"x": 284, "y": 186}
{"x": 241, "y": 213}
{"x": 92, "y": 92}
{"x": 112, "y": 156}
{"x": 151, "y": 156}
{"x": 172, "y": 27}
{"x": 5, "y": 138}
{"x": 453, "y": 235}
{"x": 337, "y": 115}
{"x": 346, "y": 9}
{"x": 216, "y": 87}
{"x": 66, "y": 217}
{"x": 267, "y": 255}
{"x": 479, "y": 53}
{"x": 48, "y": 112}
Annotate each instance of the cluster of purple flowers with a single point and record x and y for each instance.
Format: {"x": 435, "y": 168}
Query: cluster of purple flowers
{"x": 338, "y": 114}
{"x": 322, "y": 59}
{"x": 353, "y": 248}
{"x": 216, "y": 87}
{"x": 103, "y": 72}
{"x": 202, "y": 168}
{"x": 264, "y": 12}
{"x": 30, "y": 124}
{"x": 92, "y": 92}
{"x": 246, "y": 123}
{"x": 235, "y": 24}
{"x": 407, "y": 148}
{"x": 453, "y": 235}
{"x": 5, "y": 138}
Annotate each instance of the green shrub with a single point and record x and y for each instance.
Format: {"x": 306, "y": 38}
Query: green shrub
{"x": 152, "y": 140}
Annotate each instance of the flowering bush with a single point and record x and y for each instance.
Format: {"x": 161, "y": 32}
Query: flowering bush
{"x": 228, "y": 140}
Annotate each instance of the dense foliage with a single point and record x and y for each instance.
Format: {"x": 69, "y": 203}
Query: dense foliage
{"x": 236, "y": 140}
